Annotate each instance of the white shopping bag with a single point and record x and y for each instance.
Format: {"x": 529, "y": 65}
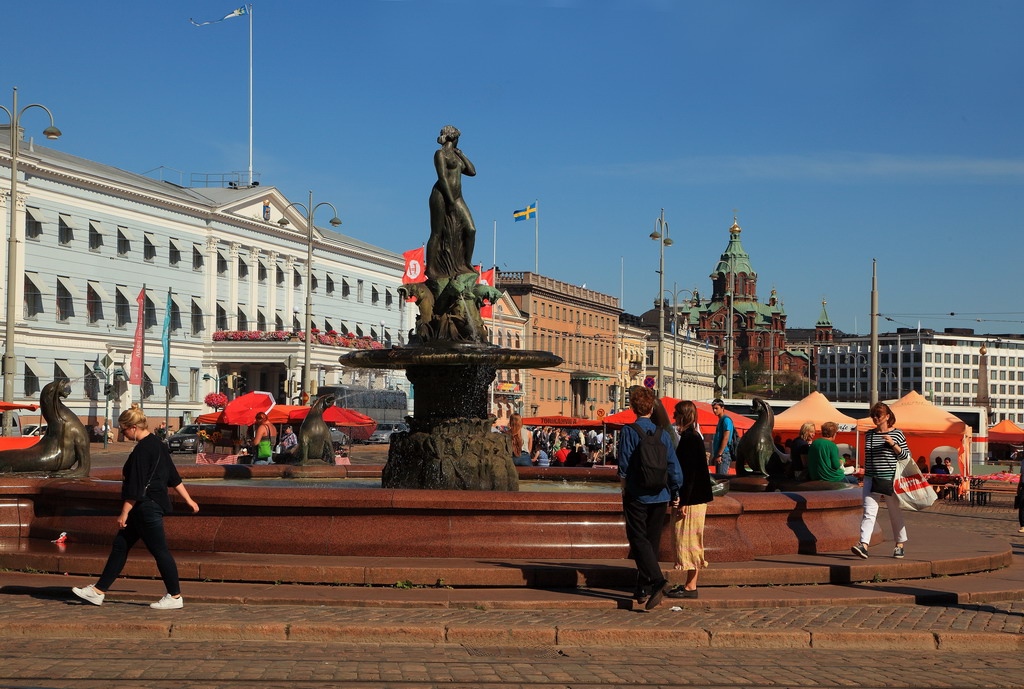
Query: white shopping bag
{"x": 911, "y": 487}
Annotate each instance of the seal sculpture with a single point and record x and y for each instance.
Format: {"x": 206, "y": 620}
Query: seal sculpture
{"x": 314, "y": 434}
{"x": 64, "y": 448}
{"x": 756, "y": 446}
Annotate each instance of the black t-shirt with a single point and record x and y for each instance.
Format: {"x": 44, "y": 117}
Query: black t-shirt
{"x": 149, "y": 458}
{"x": 798, "y": 450}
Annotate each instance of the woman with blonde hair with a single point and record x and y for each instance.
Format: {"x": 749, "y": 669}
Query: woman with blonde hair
{"x": 689, "y": 507}
{"x": 522, "y": 441}
{"x": 147, "y": 475}
{"x": 799, "y": 449}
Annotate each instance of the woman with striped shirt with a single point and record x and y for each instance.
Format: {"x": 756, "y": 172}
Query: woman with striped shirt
{"x": 884, "y": 446}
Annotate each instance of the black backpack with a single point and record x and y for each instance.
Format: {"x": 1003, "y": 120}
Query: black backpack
{"x": 649, "y": 462}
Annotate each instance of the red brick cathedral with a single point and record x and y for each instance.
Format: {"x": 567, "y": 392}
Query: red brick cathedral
{"x": 759, "y": 329}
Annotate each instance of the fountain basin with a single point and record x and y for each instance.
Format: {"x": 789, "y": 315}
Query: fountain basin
{"x": 420, "y": 523}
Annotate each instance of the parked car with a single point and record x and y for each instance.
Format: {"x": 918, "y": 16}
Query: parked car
{"x": 34, "y": 429}
{"x": 384, "y": 431}
{"x": 339, "y": 439}
{"x": 186, "y": 439}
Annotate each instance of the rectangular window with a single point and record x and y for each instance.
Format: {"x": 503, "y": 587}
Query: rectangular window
{"x": 173, "y": 254}
{"x": 261, "y": 271}
{"x": 956, "y": 387}
{"x": 122, "y": 310}
{"x": 33, "y": 223}
{"x": 148, "y": 248}
{"x": 947, "y": 386}
{"x": 65, "y": 234}
{"x": 346, "y": 290}
{"x": 197, "y": 319}
{"x": 243, "y": 269}
{"x": 948, "y": 373}
{"x": 927, "y": 357}
{"x": 956, "y": 358}
{"x": 374, "y": 296}
{"x": 280, "y": 276}
{"x": 124, "y": 244}
{"x": 65, "y": 303}
{"x": 314, "y": 283}
{"x": 296, "y": 279}
{"x": 928, "y": 370}
{"x": 197, "y": 258}
{"x": 149, "y": 312}
{"x": 956, "y": 373}
{"x": 95, "y": 236}
{"x": 31, "y": 380}
{"x": 222, "y": 318}
{"x": 222, "y": 264}
{"x": 93, "y": 305}
{"x": 947, "y": 359}
{"x": 389, "y": 298}
{"x": 330, "y": 285}
{"x": 33, "y": 299}
{"x": 359, "y": 290}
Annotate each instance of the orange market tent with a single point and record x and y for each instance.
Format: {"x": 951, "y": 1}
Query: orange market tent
{"x": 926, "y": 427}
{"x": 1006, "y": 431}
{"x": 814, "y": 408}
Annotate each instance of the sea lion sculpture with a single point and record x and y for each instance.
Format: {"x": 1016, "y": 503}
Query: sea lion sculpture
{"x": 315, "y": 435}
{"x": 64, "y": 448}
{"x": 756, "y": 446}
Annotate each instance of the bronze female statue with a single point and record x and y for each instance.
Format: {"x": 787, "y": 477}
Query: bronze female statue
{"x": 452, "y": 232}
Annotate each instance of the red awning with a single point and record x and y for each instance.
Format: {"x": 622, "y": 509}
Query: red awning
{"x": 561, "y": 422}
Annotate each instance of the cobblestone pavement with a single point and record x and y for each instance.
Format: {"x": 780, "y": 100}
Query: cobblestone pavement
{"x": 87, "y": 664}
{"x": 59, "y": 643}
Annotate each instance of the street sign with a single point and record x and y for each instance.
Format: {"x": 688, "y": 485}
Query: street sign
{"x": 600, "y": 413}
{"x": 649, "y": 382}
{"x": 721, "y": 381}
{"x": 106, "y": 361}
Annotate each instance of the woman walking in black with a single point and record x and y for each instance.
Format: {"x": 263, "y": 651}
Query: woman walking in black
{"x": 148, "y": 473}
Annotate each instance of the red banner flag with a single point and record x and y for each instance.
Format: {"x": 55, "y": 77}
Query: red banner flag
{"x": 486, "y": 277}
{"x": 415, "y": 268}
{"x": 135, "y": 377}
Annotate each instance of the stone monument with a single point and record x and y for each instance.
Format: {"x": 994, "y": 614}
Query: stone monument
{"x": 449, "y": 360}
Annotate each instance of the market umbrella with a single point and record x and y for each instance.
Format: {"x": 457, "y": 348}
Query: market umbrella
{"x": 357, "y": 426}
{"x": 242, "y": 411}
{"x": 7, "y": 406}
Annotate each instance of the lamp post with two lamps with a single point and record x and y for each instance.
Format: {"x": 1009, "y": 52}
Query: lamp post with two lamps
{"x": 660, "y": 235}
{"x": 310, "y": 210}
{"x": 674, "y": 294}
{"x": 51, "y": 132}
{"x": 562, "y": 399}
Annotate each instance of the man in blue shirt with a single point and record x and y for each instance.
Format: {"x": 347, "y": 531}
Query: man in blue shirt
{"x": 721, "y": 455}
{"x": 645, "y": 509}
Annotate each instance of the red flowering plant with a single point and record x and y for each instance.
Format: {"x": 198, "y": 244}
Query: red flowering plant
{"x": 216, "y": 400}
{"x": 331, "y": 337}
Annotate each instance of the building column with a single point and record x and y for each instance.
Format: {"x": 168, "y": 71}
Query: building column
{"x": 254, "y": 285}
{"x": 210, "y": 277}
{"x": 232, "y": 305}
{"x": 289, "y": 292}
{"x": 271, "y": 288}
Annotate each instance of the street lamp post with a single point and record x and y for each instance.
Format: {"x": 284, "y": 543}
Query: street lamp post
{"x": 660, "y": 235}
{"x": 562, "y": 400}
{"x": 674, "y": 294}
{"x": 50, "y": 132}
{"x": 310, "y": 210}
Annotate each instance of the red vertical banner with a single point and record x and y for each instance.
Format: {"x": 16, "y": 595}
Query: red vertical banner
{"x": 135, "y": 377}
{"x": 486, "y": 278}
{"x": 415, "y": 268}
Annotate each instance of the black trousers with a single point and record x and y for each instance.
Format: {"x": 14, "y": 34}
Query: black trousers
{"x": 145, "y": 521}
{"x": 644, "y": 523}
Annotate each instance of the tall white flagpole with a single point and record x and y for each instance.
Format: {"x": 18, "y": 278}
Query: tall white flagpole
{"x": 536, "y": 237}
{"x": 250, "y": 95}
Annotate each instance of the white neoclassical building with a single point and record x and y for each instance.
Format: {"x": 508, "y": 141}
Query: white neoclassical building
{"x": 89, "y": 237}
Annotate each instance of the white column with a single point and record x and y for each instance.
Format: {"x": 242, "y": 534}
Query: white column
{"x": 232, "y": 305}
{"x": 289, "y": 292}
{"x": 254, "y": 285}
{"x": 271, "y": 288}
{"x": 210, "y": 268}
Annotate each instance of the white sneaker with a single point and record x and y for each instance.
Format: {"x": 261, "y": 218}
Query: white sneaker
{"x": 168, "y": 602}
{"x": 88, "y": 593}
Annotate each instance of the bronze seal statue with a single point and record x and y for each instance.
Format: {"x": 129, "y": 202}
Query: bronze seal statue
{"x": 756, "y": 446}
{"x": 315, "y": 435}
{"x": 64, "y": 448}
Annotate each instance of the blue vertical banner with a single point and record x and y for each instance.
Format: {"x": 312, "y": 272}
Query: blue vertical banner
{"x": 165, "y": 367}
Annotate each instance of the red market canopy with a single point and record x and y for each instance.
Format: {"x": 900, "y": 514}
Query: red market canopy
{"x": 357, "y": 425}
{"x": 1006, "y": 431}
{"x": 705, "y": 417}
{"x": 242, "y": 411}
{"x": 7, "y": 406}
{"x": 561, "y": 422}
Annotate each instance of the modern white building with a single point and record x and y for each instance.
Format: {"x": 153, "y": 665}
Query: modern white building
{"x": 90, "y": 236}
{"x": 953, "y": 368}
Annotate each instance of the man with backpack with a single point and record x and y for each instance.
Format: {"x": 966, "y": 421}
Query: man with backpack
{"x": 650, "y": 477}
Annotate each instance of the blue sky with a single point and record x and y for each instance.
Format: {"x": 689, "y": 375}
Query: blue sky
{"x": 841, "y": 132}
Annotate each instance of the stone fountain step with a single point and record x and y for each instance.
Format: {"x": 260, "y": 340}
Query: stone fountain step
{"x": 930, "y": 555}
{"x": 1005, "y": 584}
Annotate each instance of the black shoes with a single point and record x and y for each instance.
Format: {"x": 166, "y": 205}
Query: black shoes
{"x": 680, "y": 592}
{"x": 657, "y": 596}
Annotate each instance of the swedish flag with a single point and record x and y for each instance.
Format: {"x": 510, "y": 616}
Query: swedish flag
{"x": 525, "y": 213}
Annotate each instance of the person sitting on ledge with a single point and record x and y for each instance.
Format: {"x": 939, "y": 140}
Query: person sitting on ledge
{"x": 823, "y": 463}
